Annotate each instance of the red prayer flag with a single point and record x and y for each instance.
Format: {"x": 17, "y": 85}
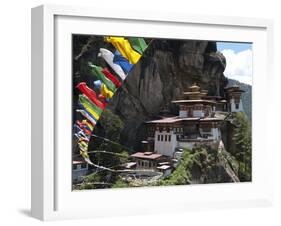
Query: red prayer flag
{"x": 90, "y": 94}
{"x": 80, "y": 124}
{"x": 110, "y": 76}
{"x": 102, "y": 99}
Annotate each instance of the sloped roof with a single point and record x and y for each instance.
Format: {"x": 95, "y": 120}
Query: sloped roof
{"x": 146, "y": 155}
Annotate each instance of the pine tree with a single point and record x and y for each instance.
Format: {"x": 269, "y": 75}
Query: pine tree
{"x": 243, "y": 142}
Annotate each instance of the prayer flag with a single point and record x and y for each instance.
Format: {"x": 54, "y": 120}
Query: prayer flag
{"x": 85, "y": 100}
{"x": 90, "y": 126}
{"x": 105, "y": 92}
{"x": 87, "y": 116}
{"x": 90, "y": 94}
{"x": 110, "y": 76}
{"x": 122, "y": 61}
{"x": 97, "y": 84}
{"x": 83, "y": 139}
{"x": 108, "y": 57}
{"x": 83, "y": 144}
{"x": 84, "y": 127}
{"x": 90, "y": 112}
{"x": 84, "y": 154}
{"x": 82, "y": 134}
{"x": 97, "y": 71}
{"x": 138, "y": 44}
{"x": 102, "y": 98}
{"x": 124, "y": 47}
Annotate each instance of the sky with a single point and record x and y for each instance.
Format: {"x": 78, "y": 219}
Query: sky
{"x": 238, "y": 60}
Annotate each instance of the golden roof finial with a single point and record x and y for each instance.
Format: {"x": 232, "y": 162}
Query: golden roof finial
{"x": 194, "y": 87}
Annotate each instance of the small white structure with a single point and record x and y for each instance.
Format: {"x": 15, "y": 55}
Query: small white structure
{"x": 165, "y": 169}
{"x": 236, "y": 107}
{"x": 146, "y": 160}
{"x": 79, "y": 170}
{"x": 234, "y": 94}
{"x": 164, "y": 142}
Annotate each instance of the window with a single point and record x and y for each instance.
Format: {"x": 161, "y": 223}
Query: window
{"x": 165, "y": 137}
{"x": 169, "y": 137}
{"x": 236, "y": 106}
{"x": 83, "y": 166}
{"x": 158, "y": 137}
{"x": 161, "y": 137}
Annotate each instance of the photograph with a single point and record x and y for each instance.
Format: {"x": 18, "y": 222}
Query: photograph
{"x": 160, "y": 112}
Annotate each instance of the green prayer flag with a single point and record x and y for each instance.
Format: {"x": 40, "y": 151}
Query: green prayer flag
{"x": 97, "y": 71}
{"x": 85, "y": 100}
{"x": 138, "y": 44}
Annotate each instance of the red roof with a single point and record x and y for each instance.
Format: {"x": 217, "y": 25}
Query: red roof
{"x": 146, "y": 155}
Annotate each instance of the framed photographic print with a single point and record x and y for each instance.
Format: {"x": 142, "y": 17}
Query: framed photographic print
{"x": 137, "y": 113}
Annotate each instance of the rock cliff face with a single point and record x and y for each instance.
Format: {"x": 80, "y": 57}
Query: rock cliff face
{"x": 166, "y": 70}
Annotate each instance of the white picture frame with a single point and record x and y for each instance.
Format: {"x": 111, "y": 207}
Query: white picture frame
{"x": 52, "y": 197}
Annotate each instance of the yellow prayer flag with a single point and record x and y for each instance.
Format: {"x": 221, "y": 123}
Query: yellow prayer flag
{"x": 105, "y": 92}
{"x": 124, "y": 47}
{"x": 84, "y": 154}
{"x": 91, "y": 111}
{"x": 88, "y": 124}
{"x": 83, "y": 144}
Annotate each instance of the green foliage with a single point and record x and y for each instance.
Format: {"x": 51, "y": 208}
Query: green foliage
{"x": 119, "y": 183}
{"x": 243, "y": 142}
{"x": 89, "y": 181}
{"x": 107, "y": 152}
{"x": 91, "y": 178}
{"x": 231, "y": 160}
{"x": 86, "y": 186}
{"x": 203, "y": 163}
{"x": 182, "y": 174}
{"x": 111, "y": 124}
